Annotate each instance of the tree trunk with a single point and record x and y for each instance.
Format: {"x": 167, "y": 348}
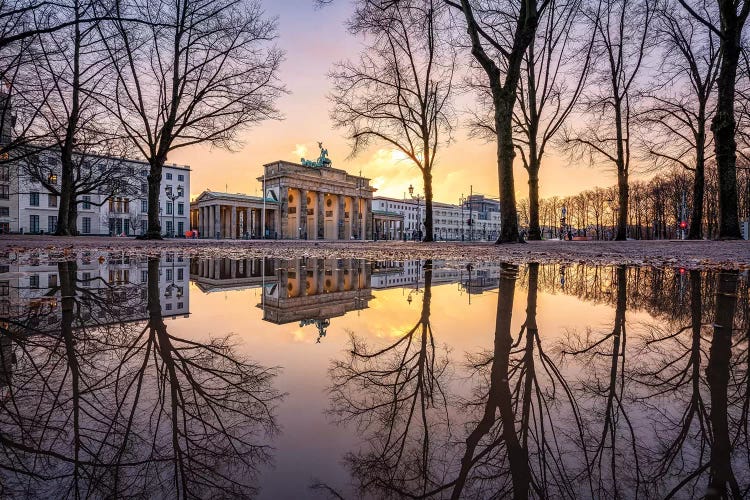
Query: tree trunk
{"x": 696, "y": 217}
{"x": 723, "y": 124}
{"x": 154, "y": 185}
{"x": 63, "y": 207}
{"x": 428, "y": 226}
{"x": 622, "y": 196}
{"x": 504, "y": 102}
{"x": 73, "y": 215}
{"x": 535, "y": 232}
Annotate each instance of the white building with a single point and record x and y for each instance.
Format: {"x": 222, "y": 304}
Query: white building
{"x": 450, "y": 222}
{"x": 32, "y": 208}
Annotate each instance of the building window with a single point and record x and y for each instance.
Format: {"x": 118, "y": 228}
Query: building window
{"x": 169, "y": 275}
{"x": 144, "y": 187}
{"x": 4, "y": 192}
{"x": 4, "y": 288}
{"x": 4, "y": 211}
{"x": 34, "y": 281}
{"x": 144, "y": 276}
{"x": 169, "y": 208}
{"x": 169, "y": 176}
{"x": 34, "y": 199}
{"x": 169, "y": 307}
{"x": 86, "y": 202}
{"x": 180, "y": 228}
{"x": 86, "y": 225}
{"x": 181, "y": 178}
{"x": 51, "y": 224}
{"x": 52, "y": 201}
{"x": 170, "y": 227}
{"x": 34, "y": 223}
{"x": 5, "y": 173}
{"x": 52, "y": 281}
{"x": 180, "y": 274}
{"x": 144, "y": 206}
{"x": 180, "y": 209}
{"x": 85, "y": 279}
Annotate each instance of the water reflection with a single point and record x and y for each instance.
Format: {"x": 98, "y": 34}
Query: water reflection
{"x": 477, "y": 380}
{"x": 659, "y": 411}
{"x": 101, "y": 400}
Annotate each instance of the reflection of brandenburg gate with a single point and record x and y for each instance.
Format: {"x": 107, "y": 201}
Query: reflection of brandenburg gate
{"x": 212, "y": 275}
{"x": 316, "y": 289}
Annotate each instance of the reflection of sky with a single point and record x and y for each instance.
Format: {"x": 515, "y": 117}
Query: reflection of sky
{"x": 314, "y": 39}
{"x": 309, "y": 446}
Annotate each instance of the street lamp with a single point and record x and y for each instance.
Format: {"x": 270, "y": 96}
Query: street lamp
{"x": 419, "y": 198}
{"x": 172, "y": 196}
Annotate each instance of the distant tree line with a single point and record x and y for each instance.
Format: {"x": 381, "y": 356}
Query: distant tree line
{"x": 657, "y": 208}
{"x": 128, "y": 78}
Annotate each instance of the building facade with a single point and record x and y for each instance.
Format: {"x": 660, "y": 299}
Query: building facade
{"x": 477, "y": 218}
{"x": 119, "y": 207}
{"x": 301, "y": 201}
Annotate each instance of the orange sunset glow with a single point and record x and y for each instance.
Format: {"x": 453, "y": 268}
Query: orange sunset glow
{"x": 309, "y": 58}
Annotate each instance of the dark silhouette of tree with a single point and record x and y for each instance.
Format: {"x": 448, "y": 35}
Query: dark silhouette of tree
{"x": 186, "y": 73}
{"x": 500, "y": 36}
{"x": 732, "y": 18}
{"x": 619, "y": 52}
{"x": 399, "y": 91}
{"x": 553, "y": 75}
{"x": 677, "y": 113}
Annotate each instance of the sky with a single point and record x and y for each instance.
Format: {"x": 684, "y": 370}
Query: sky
{"x": 314, "y": 39}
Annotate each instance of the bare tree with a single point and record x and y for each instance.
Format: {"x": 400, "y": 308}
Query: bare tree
{"x": 500, "y": 35}
{"x": 553, "y": 75}
{"x": 188, "y": 72}
{"x": 676, "y": 114}
{"x": 732, "y": 18}
{"x": 622, "y": 28}
{"x": 70, "y": 67}
{"x": 399, "y": 92}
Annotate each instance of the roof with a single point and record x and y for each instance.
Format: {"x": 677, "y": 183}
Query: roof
{"x": 232, "y": 196}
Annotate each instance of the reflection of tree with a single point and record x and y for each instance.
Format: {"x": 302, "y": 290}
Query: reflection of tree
{"x": 722, "y": 480}
{"x": 131, "y": 410}
{"x": 395, "y": 395}
{"x": 615, "y": 465}
{"x": 519, "y": 445}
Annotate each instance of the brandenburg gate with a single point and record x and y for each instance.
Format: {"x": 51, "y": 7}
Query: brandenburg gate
{"x": 307, "y": 200}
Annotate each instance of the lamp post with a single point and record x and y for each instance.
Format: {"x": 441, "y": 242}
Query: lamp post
{"x": 173, "y": 196}
{"x": 419, "y": 198}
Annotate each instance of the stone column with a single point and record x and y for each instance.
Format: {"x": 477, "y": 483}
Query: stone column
{"x": 210, "y": 226}
{"x": 320, "y": 217}
{"x": 200, "y": 221}
{"x": 283, "y": 229}
{"x": 217, "y": 221}
{"x": 233, "y": 222}
{"x": 368, "y": 218}
{"x": 356, "y": 226}
{"x": 340, "y": 221}
{"x": 302, "y": 213}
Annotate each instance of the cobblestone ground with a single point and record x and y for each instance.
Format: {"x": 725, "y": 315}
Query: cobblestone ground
{"x": 687, "y": 254}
